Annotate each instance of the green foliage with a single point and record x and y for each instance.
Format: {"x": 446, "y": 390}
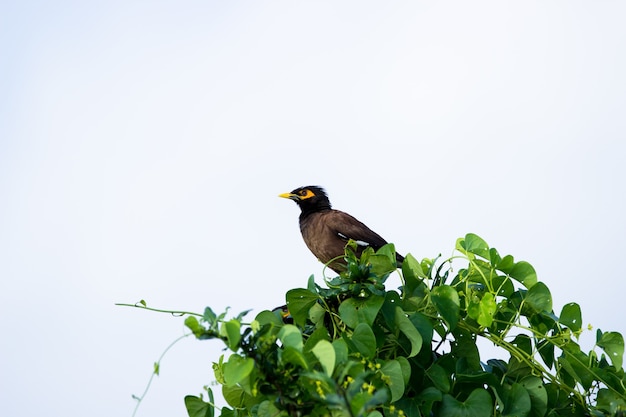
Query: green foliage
{"x": 353, "y": 348}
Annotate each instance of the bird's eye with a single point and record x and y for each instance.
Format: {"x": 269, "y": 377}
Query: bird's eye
{"x": 306, "y": 194}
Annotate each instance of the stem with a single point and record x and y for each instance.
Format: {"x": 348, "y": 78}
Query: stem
{"x": 155, "y": 372}
{"x": 172, "y": 312}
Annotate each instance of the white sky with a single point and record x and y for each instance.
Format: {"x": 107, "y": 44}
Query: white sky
{"x": 143, "y": 145}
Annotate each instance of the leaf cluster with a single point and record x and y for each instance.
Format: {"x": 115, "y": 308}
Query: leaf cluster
{"x": 352, "y": 348}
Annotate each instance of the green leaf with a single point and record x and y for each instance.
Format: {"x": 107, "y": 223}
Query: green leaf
{"x": 516, "y": 402}
{"x": 446, "y": 301}
{"x": 571, "y": 317}
{"x": 409, "y": 330}
{"x": 229, "y": 412}
{"x": 479, "y": 378}
{"x": 405, "y": 366}
{"x": 384, "y": 261}
{"x": 234, "y": 395}
{"x": 363, "y": 402}
{"x": 464, "y": 347}
{"x": 613, "y": 344}
{"x": 237, "y": 369}
{"x": 505, "y": 264}
{"x": 193, "y": 324}
{"x": 268, "y": 317}
{"x": 538, "y": 298}
{"x": 321, "y": 333}
{"x": 524, "y": 343}
{"x": 341, "y": 351}
{"x": 325, "y": 353}
{"x": 487, "y": 309}
{"x": 218, "y": 370}
{"x": 478, "y": 404}
{"x": 439, "y": 377}
{"x": 494, "y": 257}
{"x": 474, "y": 244}
{"x": 364, "y": 340}
{"x": 198, "y": 408}
{"x": 393, "y": 371}
{"x": 504, "y": 285}
{"x": 290, "y": 336}
{"x": 388, "y": 310}
{"x": 360, "y": 310}
{"x": 538, "y": 395}
{"x": 299, "y": 302}
{"x": 412, "y": 268}
{"x": 210, "y": 317}
{"x": 268, "y": 409}
{"x": 294, "y": 356}
{"x": 317, "y": 313}
{"x": 610, "y": 401}
{"x": 310, "y": 285}
{"x": 412, "y": 273}
{"x": 424, "y": 326}
{"x": 575, "y": 363}
{"x": 426, "y": 399}
{"x": 232, "y": 330}
{"x": 546, "y": 350}
{"x": 525, "y": 273}
{"x": 241, "y": 315}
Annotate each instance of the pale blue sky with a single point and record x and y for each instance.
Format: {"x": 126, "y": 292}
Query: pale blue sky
{"x": 143, "y": 145}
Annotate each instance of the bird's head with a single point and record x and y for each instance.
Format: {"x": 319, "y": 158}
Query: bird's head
{"x": 310, "y": 198}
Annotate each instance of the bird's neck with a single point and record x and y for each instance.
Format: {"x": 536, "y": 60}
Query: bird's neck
{"x": 309, "y": 211}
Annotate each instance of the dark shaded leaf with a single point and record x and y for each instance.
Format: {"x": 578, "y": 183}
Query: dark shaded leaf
{"x": 478, "y": 404}
{"x": 439, "y": 377}
{"x": 426, "y": 399}
{"x": 546, "y": 350}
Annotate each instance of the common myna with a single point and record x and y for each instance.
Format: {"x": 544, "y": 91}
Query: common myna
{"x": 326, "y": 231}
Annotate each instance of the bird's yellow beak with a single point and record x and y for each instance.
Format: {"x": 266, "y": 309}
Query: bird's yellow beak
{"x": 289, "y": 196}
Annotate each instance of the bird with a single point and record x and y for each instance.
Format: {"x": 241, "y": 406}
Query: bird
{"x": 326, "y": 231}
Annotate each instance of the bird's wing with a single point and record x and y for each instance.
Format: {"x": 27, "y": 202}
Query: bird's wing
{"x": 347, "y": 227}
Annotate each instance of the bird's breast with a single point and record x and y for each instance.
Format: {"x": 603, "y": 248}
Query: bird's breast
{"x": 321, "y": 239}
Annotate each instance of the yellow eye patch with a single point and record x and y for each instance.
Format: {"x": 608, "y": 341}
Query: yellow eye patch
{"x": 304, "y": 194}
